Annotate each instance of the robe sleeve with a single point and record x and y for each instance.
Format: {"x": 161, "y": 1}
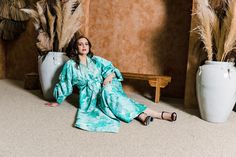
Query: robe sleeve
{"x": 108, "y": 68}
{"x": 65, "y": 86}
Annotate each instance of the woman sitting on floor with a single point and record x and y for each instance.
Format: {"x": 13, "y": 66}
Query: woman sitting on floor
{"x": 102, "y": 101}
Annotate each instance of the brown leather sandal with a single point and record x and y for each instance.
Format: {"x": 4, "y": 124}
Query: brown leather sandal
{"x": 173, "y": 116}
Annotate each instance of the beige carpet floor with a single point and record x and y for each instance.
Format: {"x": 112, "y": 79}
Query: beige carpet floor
{"x": 28, "y": 128}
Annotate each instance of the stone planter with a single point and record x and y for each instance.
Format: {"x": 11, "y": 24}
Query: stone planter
{"x": 216, "y": 90}
{"x": 49, "y": 68}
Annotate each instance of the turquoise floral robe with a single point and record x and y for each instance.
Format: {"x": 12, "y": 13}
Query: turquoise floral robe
{"x": 101, "y": 108}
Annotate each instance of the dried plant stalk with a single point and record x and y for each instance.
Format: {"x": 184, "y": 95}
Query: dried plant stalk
{"x": 40, "y": 8}
{"x": 51, "y": 21}
{"x": 33, "y": 14}
{"x": 59, "y": 20}
{"x": 11, "y": 10}
{"x": 71, "y": 22}
{"x": 206, "y": 19}
{"x": 217, "y": 27}
{"x": 216, "y": 31}
{"x": 230, "y": 24}
{"x": 221, "y": 43}
{"x": 56, "y": 28}
{"x": 43, "y": 42}
{"x": 217, "y": 3}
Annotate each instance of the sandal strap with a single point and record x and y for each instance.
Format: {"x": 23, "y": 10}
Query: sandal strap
{"x": 173, "y": 116}
{"x": 162, "y": 114}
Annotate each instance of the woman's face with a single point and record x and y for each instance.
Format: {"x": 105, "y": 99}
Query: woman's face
{"x": 83, "y": 46}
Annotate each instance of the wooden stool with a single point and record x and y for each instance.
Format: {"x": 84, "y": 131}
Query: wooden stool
{"x": 154, "y": 81}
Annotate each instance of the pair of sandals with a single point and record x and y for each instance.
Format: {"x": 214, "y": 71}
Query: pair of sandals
{"x": 150, "y": 119}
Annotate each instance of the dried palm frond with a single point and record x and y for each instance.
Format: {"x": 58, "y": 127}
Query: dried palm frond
{"x": 5, "y": 8}
{"x": 10, "y": 29}
{"x": 217, "y": 3}
{"x": 74, "y": 6}
{"x": 20, "y": 3}
{"x": 33, "y": 14}
{"x": 43, "y": 41}
{"x": 220, "y": 7}
{"x": 206, "y": 18}
{"x": 230, "y": 34}
{"x": 221, "y": 12}
{"x": 41, "y": 7}
{"x": 45, "y": 32}
{"x": 11, "y": 10}
{"x": 10, "y": 15}
{"x": 17, "y": 15}
{"x": 57, "y": 21}
{"x": 71, "y": 22}
{"x": 58, "y": 9}
{"x": 217, "y": 28}
{"x": 44, "y": 23}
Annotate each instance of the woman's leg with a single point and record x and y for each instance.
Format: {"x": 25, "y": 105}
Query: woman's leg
{"x": 171, "y": 116}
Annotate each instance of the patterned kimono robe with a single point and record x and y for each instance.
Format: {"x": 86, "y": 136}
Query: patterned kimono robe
{"x": 101, "y": 108}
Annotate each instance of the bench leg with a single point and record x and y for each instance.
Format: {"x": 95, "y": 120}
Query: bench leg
{"x": 157, "y": 94}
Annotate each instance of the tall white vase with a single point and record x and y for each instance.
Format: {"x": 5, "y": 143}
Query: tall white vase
{"x": 216, "y": 90}
{"x": 49, "y": 68}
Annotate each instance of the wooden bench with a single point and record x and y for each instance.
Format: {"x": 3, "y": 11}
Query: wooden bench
{"x": 154, "y": 81}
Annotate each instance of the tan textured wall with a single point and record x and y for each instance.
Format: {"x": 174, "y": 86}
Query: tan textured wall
{"x": 143, "y": 36}
{"x": 2, "y": 59}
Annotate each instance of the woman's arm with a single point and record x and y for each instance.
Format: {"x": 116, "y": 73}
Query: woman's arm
{"x": 108, "y": 79}
{"x": 65, "y": 86}
{"x": 108, "y": 68}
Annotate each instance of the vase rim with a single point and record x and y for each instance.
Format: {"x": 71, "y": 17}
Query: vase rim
{"x": 56, "y": 52}
{"x": 219, "y": 63}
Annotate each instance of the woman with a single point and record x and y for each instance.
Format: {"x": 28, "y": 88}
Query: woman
{"x": 102, "y": 101}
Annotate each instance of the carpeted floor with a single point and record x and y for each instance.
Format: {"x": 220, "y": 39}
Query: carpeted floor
{"x": 28, "y": 128}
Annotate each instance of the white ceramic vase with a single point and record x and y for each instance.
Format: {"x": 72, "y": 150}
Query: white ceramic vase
{"x": 216, "y": 90}
{"x": 49, "y": 68}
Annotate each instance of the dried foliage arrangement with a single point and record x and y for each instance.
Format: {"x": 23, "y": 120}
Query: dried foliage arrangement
{"x": 12, "y": 19}
{"x": 56, "y": 22}
{"x": 216, "y": 27}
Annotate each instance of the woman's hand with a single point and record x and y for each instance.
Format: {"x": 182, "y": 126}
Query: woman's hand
{"x": 108, "y": 79}
{"x": 52, "y": 104}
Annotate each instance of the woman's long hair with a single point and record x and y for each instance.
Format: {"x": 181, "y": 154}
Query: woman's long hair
{"x": 72, "y": 50}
